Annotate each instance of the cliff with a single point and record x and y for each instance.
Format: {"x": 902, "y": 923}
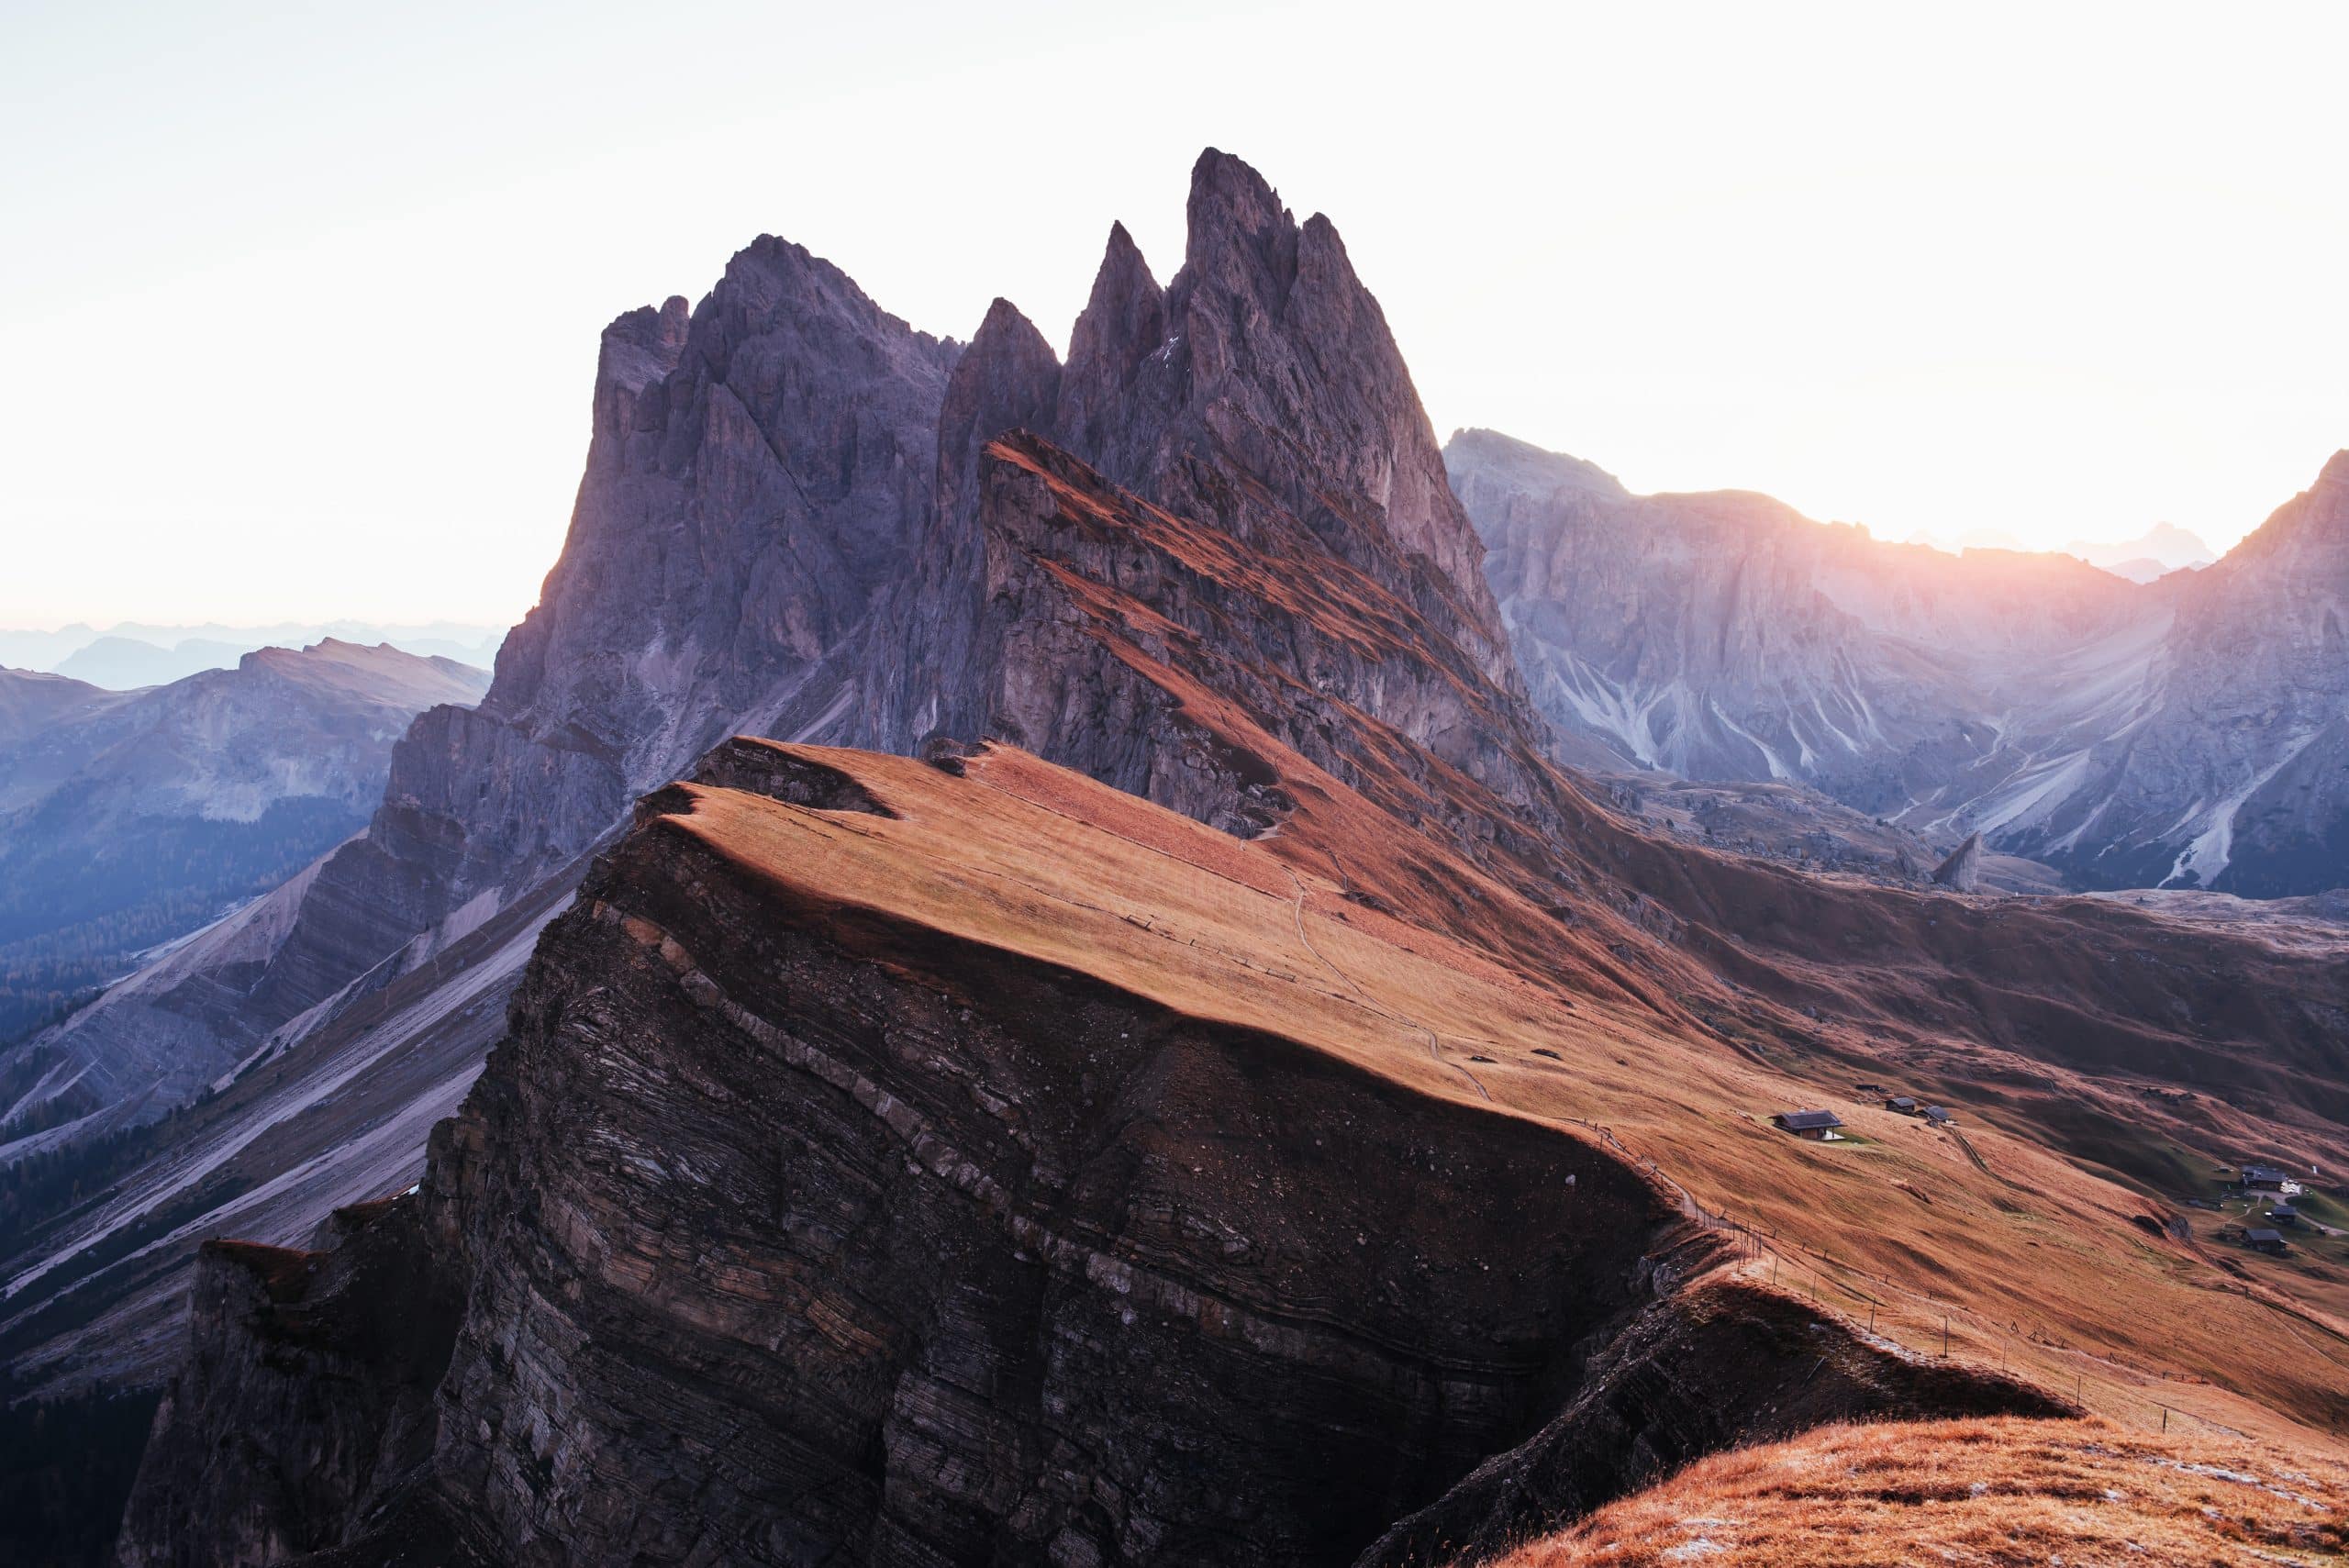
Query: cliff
{"x": 897, "y": 1163}
{"x": 2181, "y": 733}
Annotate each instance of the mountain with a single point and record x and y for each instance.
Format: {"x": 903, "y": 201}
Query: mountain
{"x": 2127, "y": 735}
{"x": 132, "y": 654}
{"x": 1126, "y": 1210}
{"x": 1152, "y": 1058}
{"x": 743, "y": 559}
{"x": 128, "y": 820}
{"x": 2162, "y": 548}
{"x": 41, "y": 649}
{"x": 127, "y": 663}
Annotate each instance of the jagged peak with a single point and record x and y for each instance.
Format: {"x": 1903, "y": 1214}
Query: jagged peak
{"x": 772, "y": 278}
{"x": 1125, "y": 316}
{"x": 1007, "y": 329}
{"x": 1121, "y": 256}
{"x": 1235, "y": 212}
{"x": 1009, "y": 374}
{"x": 1007, "y": 378}
{"x": 1123, "y": 277}
{"x": 2336, "y": 470}
{"x": 1228, "y": 187}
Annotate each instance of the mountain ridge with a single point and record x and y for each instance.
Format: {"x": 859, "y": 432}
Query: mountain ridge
{"x": 2048, "y": 704}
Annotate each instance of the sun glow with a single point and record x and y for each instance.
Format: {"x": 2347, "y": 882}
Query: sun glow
{"x": 301, "y": 308}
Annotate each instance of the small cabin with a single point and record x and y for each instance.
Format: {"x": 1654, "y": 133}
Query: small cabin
{"x": 2265, "y": 1240}
{"x": 2284, "y": 1214}
{"x": 1819, "y": 1126}
{"x": 1939, "y": 1115}
{"x": 2262, "y": 1178}
{"x": 1905, "y": 1104}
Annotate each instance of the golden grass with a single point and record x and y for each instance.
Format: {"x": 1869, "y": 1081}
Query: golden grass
{"x": 1975, "y": 1492}
{"x": 2034, "y": 1265}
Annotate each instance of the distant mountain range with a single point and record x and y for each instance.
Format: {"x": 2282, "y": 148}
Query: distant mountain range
{"x": 2192, "y": 731}
{"x": 132, "y": 654}
{"x": 130, "y": 818}
{"x": 2162, "y": 548}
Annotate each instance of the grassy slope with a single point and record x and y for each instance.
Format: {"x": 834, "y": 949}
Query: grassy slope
{"x": 2004, "y": 1492}
{"x": 2034, "y": 1262}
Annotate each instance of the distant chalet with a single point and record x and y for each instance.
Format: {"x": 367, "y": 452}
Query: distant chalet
{"x": 1905, "y": 1104}
{"x": 1939, "y": 1115}
{"x": 1816, "y": 1125}
{"x": 2263, "y": 1178}
{"x": 2284, "y": 1214}
{"x": 2265, "y": 1240}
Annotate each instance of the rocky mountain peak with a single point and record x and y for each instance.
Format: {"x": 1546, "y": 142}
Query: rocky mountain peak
{"x": 2336, "y": 469}
{"x": 1118, "y": 340}
{"x": 1008, "y": 364}
{"x": 1275, "y": 357}
{"x": 1240, "y": 238}
{"x": 1007, "y": 379}
{"x": 1125, "y": 318}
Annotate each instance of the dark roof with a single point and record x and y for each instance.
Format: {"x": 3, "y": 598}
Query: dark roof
{"x": 2255, "y": 1236}
{"x": 1904, "y": 1099}
{"x": 2283, "y": 1211}
{"x": 2262, "y": 1174}
{"x": 1806, "y": 1121}
{"x": 1937, "y": 1110}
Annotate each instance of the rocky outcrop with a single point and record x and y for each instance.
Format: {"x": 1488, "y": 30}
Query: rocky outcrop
{"x": 1963, "y": 870}
{"x": 2185, "y": 733}
{"x": 820, "y": 1207}
{"x": 310, "y": 1374}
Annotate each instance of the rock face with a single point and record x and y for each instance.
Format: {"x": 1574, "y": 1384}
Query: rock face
{"x": 128, "y": 820}
{"x": 1258, "y": 393}
{"x": 779, "y": 533}
{"x": 1963, "y": 870}
{"x": 2184, "y": 733}
{"x": 758, "y": 469}
{"x": 816, "y": 1209}
{"x": 2251, "y": 724}
{"x": 776, "y": 534}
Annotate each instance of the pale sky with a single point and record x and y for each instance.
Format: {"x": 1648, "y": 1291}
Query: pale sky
{"x": 298, "y": 303}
